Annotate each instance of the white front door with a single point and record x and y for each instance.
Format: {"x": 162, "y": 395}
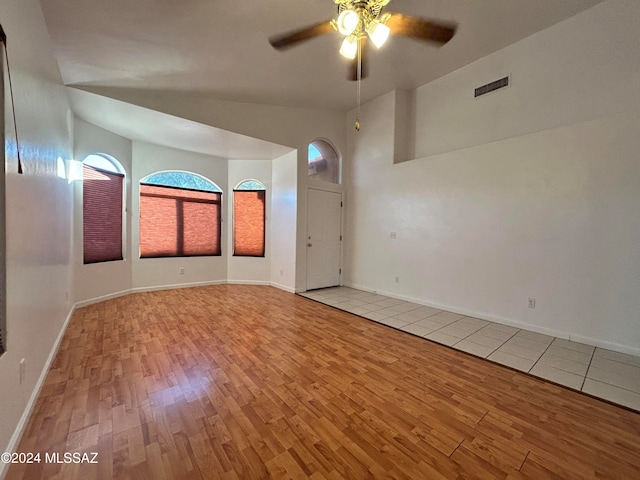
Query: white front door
{"x": 324, "y": 238}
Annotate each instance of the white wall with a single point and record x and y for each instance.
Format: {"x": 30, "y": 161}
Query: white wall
{"x": 99, "y": 280}
{"x": 284, "y": 204}
{"x": 38, "y": 216}
{"x": 585, "y": 68}
{"x": 249, "y": 269}
{"x": 528, "y": 192}
{"x": 164, "y": 272}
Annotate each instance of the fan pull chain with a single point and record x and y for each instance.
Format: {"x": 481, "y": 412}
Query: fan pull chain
{"x": 358, "y": 82}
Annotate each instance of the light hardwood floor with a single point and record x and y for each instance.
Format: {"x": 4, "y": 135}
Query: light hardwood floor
{"x": 231, "y": 381}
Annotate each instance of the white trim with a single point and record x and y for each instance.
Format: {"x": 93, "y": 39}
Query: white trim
{"x": 122, "y": 293}
{"x": 507, "y": 321}
{"x": 283, "y": 287}
{"x": 14, "y": 441}
{"x": 176, "y": 286}
{"x": 604, "y": 344}
{"x": 103, "y": 298}
{"x": 248, "y": 282}
{"x": 109, "y": 158}
{"x": 249, "y": 180}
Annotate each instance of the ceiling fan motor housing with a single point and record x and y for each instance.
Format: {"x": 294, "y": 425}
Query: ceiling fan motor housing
{"x": 364, "y": 8}
{"x": 368, "y": 11}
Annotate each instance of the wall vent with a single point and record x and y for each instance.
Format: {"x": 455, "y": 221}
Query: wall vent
{"x": 492, "y": 87}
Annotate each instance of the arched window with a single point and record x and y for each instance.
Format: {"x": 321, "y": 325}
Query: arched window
{"x": 180, "y": 179}
{"x": 324, "y": 162}
{"x": 249, "y": 219}
{"x": 180, "y": 215}
{"x": 102, "y": 212}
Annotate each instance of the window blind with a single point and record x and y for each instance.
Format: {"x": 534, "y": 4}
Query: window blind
{"x": 249, "y": 223}
{"x": 102, "y": 215}
{"x": 178, "y": 222}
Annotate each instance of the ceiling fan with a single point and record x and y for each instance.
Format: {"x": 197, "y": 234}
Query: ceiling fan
{"x": 361, "y": 21}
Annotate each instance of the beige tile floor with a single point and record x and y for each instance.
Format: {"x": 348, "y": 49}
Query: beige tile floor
{"x": 603, "y": 373}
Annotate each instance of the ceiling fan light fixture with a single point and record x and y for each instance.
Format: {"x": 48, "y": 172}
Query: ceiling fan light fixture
{"x": 349, "y": 47}
{"x": 347, "y": 22}
{"x": 378, "y": 32}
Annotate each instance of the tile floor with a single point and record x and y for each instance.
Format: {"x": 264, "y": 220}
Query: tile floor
{"x": 603, "y": 373}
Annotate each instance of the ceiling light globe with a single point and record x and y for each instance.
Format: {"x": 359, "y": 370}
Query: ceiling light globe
{"x": 347, "y": 22}
{"x": 378, "y": 33}
{"x": 349, "y": 47}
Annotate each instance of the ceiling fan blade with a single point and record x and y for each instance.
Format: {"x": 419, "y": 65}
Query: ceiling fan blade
{"x": 291, "y": 39}
{"x": 421, "y": 29}
{"x": 353, "y": 64}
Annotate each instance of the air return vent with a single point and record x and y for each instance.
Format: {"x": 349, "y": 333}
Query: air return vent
{"x": 492, "y": 87}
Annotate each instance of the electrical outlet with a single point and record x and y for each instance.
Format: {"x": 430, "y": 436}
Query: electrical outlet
{"x": 281, "y": 272}
{"x": 531, "y": 303}
{"x": 66, "y": 294}
{"x": 392, "y": 235}
{"x": 23, "y": 370}
{"x": 397, "y": 279}
{"x": 181, "y": 271}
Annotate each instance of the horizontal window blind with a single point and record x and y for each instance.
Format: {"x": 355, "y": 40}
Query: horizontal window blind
{"x": 249, "y": 223}
{"x": 102, "y": 215}
{"x": 177, "y": 222}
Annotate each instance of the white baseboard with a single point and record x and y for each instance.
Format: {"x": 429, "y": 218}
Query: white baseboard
{"x": 617, "y": 347}
{"x": 283, "y": 287}
{"x": 14, "y": 441}
{"x": 248, "y": 282}
{"x": 122, "y": 293}
{"x": 103, "y": 298}
{"x": 176, "y": 286}
{"x": 506, "y": 321}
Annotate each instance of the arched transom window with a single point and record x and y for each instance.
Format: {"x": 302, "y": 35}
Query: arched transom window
{"x": 324, "y": 162}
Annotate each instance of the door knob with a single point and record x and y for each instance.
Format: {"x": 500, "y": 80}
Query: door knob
{"x": 309, "y": 245}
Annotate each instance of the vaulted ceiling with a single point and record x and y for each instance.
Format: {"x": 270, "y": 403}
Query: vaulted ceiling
{"x": 219, "y": 48}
